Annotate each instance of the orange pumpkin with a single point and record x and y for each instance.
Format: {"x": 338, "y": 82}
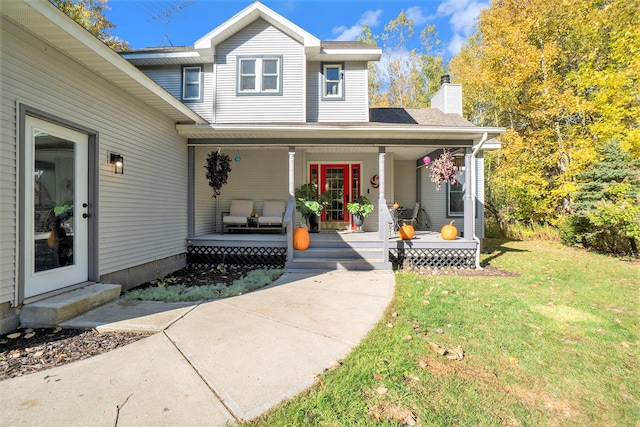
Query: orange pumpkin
{"x": 406, "y": 232}
{"x": 449, "y": 232}
{"x": 396, "y": 205}
{"x": 301, "y": 239}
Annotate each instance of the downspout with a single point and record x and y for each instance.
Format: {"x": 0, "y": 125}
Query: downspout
{"x": 474, "y": 180}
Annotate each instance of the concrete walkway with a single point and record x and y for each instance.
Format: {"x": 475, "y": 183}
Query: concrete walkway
{"x": 211, "y": 364}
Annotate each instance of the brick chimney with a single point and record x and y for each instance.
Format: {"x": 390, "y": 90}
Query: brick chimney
{"x": 449, "y": 97}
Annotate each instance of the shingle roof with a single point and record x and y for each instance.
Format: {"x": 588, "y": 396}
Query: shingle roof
{"x": 346, "y": 45}
{"x": 416, "y": 116}
{"x": 162, "y": 49}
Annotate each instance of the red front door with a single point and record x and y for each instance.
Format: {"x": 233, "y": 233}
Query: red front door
{"x": 334, "y": 180}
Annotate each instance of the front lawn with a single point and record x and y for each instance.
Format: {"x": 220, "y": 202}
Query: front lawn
{"x": 557, "y": 345}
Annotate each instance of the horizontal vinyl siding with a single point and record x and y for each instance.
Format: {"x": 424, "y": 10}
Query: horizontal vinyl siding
{"x": 404, "y": 183}
{"x": 260, "y": 38}
{"x": 170, "y": 78}
{"x": 355, "y": 106}
{"x": 142, "y": 214}
{"x": 261, "y": 174}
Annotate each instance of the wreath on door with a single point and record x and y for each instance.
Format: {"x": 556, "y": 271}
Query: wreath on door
{"x": 218, "y": 167}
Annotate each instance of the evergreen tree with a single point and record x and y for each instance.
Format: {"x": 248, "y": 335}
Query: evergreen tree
{"x": 606, "y": 207}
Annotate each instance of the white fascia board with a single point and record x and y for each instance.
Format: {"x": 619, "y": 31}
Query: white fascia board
{"x": 247, "y": 16}
{"x": 82, "y": 36}
{"x": 348, "y": 55}
{"x": 158, "y": 55}
{"x": 320, "y": 131}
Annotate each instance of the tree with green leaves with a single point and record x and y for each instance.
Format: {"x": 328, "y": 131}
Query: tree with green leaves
{"x": 606, "y": 208}
{"x": 90, "y": 14}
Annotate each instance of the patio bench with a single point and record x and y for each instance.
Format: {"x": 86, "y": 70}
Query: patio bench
{"x": 240, "y": 217}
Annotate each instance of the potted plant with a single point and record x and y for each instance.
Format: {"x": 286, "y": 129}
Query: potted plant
{"x": 359, "y": 208}
{"x": 310, "y": 204}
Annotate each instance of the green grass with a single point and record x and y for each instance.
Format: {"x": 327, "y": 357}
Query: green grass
{"x": 173, "y": 293}
{"x": 557, "y": 345}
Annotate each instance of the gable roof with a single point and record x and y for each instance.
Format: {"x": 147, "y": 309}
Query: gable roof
{"x": 45, "y": 21}
{"x": 257, "y": 10}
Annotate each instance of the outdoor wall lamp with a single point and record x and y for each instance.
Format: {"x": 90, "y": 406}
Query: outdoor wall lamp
{"x": 118, "y": 163}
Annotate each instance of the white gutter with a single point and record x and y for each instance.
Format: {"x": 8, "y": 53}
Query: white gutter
{"x": 475, "y": 197}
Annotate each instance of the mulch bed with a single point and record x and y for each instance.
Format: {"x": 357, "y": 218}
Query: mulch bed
{"x": 35, "y": 350}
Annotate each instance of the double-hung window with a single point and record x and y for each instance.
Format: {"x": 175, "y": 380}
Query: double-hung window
{"x": 259, "y": 75}
{"x": 332, "y": 82}
{"x": 192, "y": 83}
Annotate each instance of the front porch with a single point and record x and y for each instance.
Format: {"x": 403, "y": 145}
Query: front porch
{"x": 332, "y": 250}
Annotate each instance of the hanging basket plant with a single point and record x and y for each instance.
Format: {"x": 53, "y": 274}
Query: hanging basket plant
{"x": 443, "y": 169}
{"x": 218, "y": 168}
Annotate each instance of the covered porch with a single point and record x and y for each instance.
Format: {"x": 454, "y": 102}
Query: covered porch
{"x": 332, "y": 250}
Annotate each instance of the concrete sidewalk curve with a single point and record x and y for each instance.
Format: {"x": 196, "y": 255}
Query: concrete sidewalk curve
{"x": 213, "y": 363}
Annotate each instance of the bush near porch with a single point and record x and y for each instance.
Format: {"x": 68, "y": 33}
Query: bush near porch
{"x": 559, "y": 344}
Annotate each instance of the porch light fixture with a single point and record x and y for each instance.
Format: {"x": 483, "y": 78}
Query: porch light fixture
{"x": 118, "y": 163}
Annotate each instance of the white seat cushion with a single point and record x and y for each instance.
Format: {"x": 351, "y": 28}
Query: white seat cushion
{"x": 273, "y": 208}
{"x": 231, "y": 219}
{"x": 270, "y": 220}
{"x": 241, "y": 208}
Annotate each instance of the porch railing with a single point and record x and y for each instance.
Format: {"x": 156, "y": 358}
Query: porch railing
{"x": 288, "y": 219}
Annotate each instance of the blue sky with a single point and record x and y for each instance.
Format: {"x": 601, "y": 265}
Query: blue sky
{"x": 148, "y": 23}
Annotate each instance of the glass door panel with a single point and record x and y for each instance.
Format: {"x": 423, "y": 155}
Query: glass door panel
{"x": 335, "y": 181}
{"x": 56, "y": 227}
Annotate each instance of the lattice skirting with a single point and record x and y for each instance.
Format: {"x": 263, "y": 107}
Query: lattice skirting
{"x": 206, "y": 256}
{"x": 432, "y": 258}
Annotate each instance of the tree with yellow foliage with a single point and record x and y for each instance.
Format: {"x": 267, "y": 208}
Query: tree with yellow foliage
{"x": 564, "y": 78}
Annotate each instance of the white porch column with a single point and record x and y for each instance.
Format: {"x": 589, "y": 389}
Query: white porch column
{"x": 292, "y": 187}
{"x": 292, "y": 164}
{"x": 469, "y": 222}
{"x": 381, "y": 197}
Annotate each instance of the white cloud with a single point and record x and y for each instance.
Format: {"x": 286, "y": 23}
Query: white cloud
{"x": 415, "y": 13}
{"x": 462, "y": 17}
{"x": 455, "y": 44}
{"x": 344, "y": 33}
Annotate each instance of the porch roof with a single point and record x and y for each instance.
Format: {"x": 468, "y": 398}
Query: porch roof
{"x": 386, "y": 126}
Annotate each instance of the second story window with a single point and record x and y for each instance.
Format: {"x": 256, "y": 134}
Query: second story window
{"x": 259, "y": 76}
{"x": 333, "y": 81}
{"x": 192, "y": 83}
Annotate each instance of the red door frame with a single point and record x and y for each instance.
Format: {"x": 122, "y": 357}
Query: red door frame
{"x": 352, "y": 182}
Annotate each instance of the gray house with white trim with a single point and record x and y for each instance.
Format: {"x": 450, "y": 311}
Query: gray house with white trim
{"x": 103, "y": 154}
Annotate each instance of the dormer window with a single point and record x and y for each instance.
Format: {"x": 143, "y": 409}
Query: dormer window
{"x": 259, "y": 75}
{"x": 333, "y": 82}
{"x": 192, "y": 83}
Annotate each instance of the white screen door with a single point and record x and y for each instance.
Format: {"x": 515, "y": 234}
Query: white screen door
{"x": 55, "y": 213}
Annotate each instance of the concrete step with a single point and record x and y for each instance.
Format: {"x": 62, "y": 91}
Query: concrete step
{"x": 326, "y": 264}
{"x": 52, "y": 311}
{"x": 339, "y": 253}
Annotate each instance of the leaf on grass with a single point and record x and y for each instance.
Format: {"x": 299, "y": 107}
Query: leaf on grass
{"x": 392, "y": 413}
{"x": 625, "y": 344}
{"x": 381, "y": 390}
{"x": 513, "y": 360}
{"x": 454, "y": 354}
{"x": 377, "y": 377}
